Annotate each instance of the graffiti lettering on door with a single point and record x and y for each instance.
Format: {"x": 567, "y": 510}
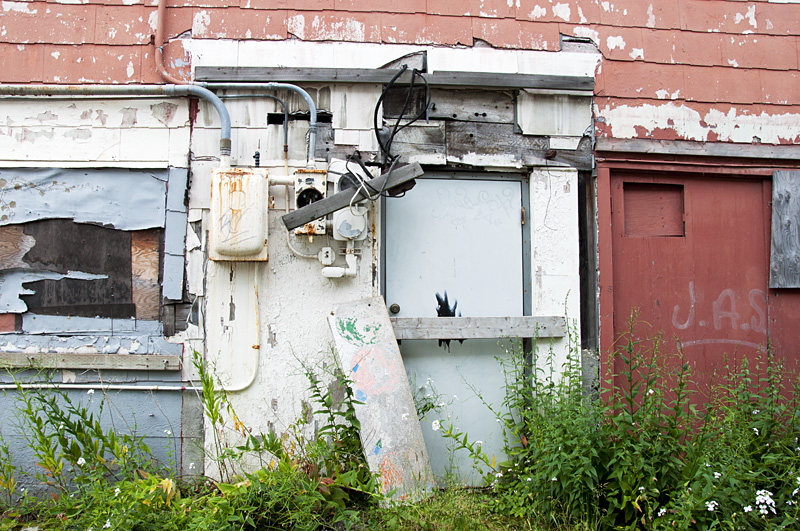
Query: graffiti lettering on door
{"x": 725, "y": 317}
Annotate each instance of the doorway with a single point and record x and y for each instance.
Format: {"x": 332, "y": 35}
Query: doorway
{"x": 457, "y": 245}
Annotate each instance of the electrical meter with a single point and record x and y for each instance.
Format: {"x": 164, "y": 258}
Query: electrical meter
{"x": 309, "y": 188}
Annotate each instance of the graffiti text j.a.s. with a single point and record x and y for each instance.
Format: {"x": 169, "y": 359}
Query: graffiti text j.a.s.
{"x": 725, "y": 313}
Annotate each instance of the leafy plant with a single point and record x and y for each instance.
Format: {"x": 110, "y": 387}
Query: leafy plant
{"x": 71, "y": 444}
{"x": 645, "y": 453}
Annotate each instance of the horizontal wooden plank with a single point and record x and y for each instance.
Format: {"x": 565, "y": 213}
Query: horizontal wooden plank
{"x": 478, "y": 327}
{"x": 53, "y": 360}
{"x": 301, "y": 216}
{"x": 466, "y": 105}
{"x": 704, "y": 149}
{"x": 439, "y": 78}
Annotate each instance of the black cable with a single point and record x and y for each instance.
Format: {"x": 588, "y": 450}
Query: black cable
{"x": 377, "y": 108}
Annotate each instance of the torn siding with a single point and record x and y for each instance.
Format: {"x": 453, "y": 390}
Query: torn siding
{"x": 89, "y": 242}
{"x": 45, "y": 333}
{"x": 123, "y": 199}
{"x": 12, "y": 286}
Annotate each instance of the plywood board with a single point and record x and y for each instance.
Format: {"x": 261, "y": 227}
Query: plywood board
{"x": 390, "y": 433}
{"x": 784, "y": 266}
{"x": 14, "y": 243}
{"x": 146, "y": 293}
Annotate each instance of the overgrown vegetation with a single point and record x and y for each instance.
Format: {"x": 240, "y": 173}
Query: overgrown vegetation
{"x": 98, "y": 478}
{"x": 645, "y": 453}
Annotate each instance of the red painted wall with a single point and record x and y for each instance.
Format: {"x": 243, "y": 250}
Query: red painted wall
{"x": 697, "y": 55}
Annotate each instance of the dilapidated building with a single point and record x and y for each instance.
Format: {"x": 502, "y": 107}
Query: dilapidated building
{"x": 572, "y": 160}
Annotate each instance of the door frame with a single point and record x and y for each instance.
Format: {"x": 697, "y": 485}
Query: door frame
{"x": 525, "y": 189}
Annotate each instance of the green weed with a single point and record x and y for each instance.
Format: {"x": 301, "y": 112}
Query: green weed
{"x": 644, "y": 454}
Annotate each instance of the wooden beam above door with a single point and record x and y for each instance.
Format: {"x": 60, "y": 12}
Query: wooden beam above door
{"x": 478, "y": 327}
{"x": 439, "y": 78}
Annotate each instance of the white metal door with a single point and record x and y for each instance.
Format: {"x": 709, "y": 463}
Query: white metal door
{"x": 462, "y": 236}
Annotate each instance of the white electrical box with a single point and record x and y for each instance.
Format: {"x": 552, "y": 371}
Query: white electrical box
{"x": 238, "y": 215}
{"x": 349, "y": 223}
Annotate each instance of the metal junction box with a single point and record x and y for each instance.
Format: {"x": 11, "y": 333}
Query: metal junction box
{"x": 238, "y": 215}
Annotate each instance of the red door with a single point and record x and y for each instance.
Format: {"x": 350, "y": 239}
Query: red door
{"x": 691, "y": 254}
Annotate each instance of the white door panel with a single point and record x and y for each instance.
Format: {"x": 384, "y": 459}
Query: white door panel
{"x": 463, "y": 237}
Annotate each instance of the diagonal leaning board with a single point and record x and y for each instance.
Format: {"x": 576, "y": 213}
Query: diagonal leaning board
{"x": 390, "y": 432}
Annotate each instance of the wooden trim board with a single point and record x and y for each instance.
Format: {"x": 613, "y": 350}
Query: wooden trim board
{"x": 52, "y": 360}
{"x": 704, "y": 149}
{"x": 439, "y": 78}
{"x": 478, "y": 327}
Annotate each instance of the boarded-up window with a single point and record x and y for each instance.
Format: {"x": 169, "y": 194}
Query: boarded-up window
{"x": 110, "y": 274}
{"x": 653, "y": 209}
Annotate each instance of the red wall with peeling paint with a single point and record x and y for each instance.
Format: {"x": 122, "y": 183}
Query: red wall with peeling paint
{"x": 693, "y": 54}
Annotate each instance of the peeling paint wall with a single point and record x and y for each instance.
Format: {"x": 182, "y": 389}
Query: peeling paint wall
{"x": 263, "y": 322}
{"x": 701, "y": 70}
{"x": 81, "y": 132}
{"x": 694, "y": 53}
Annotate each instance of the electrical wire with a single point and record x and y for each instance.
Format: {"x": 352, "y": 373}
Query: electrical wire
{"x": 387, "y": 146}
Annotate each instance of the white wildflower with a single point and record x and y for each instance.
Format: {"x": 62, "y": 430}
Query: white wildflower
{"x": 756, "y": 431}
{"x": 748, "y": 508}
{"x": 478, "y": 443}
{"x": 717, "y": 475}
{"x": 168, "y": 432}
{"x": 650, "y": 391}
{"x": 641, "y": 489}
{"x": 756, "y": 411}
{"x": 554, "y": 478}
{"x": 712, "y": 505}
{"x": 530, "y": 479}
{"x": 116, "y": 492}
{"x": 90, "y": 392}
{"x": 662, "y": 511}
{"x": 107, "y": 524}
{"x": 81, "y": 461}
{"x": 435, "y": 425}
{"x": 765, "y": 502}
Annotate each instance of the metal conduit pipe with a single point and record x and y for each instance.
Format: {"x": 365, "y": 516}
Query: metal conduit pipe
{"x": 161, "y": 11}
{"x": 20, "y": 90}
{"x": 312, "y": 108}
